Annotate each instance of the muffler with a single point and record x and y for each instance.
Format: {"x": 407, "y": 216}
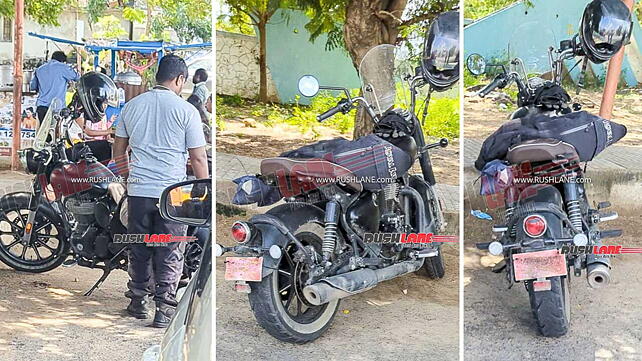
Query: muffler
{"x": 351, "y": 283}
{"x": 598, "y": 275}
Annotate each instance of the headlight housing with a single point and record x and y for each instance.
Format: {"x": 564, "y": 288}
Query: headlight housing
{"x": 29, "y": 164}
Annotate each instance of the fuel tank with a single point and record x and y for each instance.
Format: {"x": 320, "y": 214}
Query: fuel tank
{"x": 88, "y": 177}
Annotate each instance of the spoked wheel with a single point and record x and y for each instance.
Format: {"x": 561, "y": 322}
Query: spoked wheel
{"x": 45, "y": 250}
{"x": 278, "y": 302}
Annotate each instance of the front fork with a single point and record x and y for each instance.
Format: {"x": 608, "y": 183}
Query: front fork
{"x": 34, "y": 202}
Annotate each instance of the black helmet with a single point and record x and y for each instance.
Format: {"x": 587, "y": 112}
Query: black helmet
{"x": 605, "y": 28}
{"x": 96, "y": 91}
{"x": 440, "y": 62}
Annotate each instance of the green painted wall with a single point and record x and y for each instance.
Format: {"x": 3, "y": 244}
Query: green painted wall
{"x": 290, "y": 55}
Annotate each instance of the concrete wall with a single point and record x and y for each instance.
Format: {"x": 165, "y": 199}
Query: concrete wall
{"x": 292, "y": 55}
{"x": 237, "y": 66}
{"x": 490, "y": 36}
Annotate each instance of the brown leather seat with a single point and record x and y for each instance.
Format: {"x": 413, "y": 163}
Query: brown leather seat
{"x": 315, "y": 171}
{"x": 538, "y": 150}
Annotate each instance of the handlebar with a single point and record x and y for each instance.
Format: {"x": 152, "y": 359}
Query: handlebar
{"x": 344, "y": 106}
{"x": 500, "y": 81}
{"x": 328, "y": 113}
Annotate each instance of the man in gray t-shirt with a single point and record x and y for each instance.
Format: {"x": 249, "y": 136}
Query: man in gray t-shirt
{"x": 162, "y": 130}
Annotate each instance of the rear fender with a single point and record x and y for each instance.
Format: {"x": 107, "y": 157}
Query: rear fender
{"x": 277, "y": 222}
{"x": 545, "y": 201}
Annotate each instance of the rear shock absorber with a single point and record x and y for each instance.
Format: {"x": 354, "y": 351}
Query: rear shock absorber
{"x": 573, "y": 208}
{"x": 574, "y": 214}
{"x": 508, "y": 214}
{"x": 330, "y": 234}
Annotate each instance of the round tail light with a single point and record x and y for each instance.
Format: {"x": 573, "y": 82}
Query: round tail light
{"x": 241, "y": 232}
{"x": 534, "y": 226}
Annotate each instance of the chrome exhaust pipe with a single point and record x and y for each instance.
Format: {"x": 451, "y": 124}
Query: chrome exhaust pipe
{"x": 598, "y": 275}
{"x": 351, "y": 283}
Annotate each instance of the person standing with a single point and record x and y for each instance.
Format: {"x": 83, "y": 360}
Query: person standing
{"x": 161, "y": 129}
{"x": 200, "y": 85}
{"x": 50, "y": 81}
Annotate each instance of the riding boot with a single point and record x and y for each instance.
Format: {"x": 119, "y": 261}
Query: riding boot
{"x": 163, "y": 315}
{"x": 138, "y": 308}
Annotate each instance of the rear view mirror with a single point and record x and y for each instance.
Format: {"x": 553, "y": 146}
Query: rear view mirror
{"x": 308, "y": 86}
{"x": 476, "y": 64}
{"x": 188, "y": 202}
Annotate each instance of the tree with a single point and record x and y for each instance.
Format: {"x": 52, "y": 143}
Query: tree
{"x": 189, "y": 19}
{"x": 259, "y": 12}
{"x": 44, "y": 12}
{"x": 359, "y": 25}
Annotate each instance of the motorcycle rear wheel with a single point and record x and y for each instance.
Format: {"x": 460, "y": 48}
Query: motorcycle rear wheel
{"x": 433, "y": 267}
{"x": 278, "y": 302}
{"x": 47, "y": 248}
{"x": 551, "y": 309}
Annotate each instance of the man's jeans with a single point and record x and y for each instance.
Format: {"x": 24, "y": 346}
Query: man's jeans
{"x": 153, "y": 269}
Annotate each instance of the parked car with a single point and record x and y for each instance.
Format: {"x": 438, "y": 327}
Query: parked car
{"x": 189, "y": 335}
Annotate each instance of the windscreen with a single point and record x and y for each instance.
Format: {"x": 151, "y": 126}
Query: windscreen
{"x": 377, "y": 72}
{"x": 533, "y": 54}
{"x": 44, "y": 128}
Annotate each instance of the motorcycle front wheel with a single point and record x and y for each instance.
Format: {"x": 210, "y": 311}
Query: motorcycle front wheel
{"x": 278, "y": 302}
{"x": 551, "y": 309}
{"x": 47, "y": 248}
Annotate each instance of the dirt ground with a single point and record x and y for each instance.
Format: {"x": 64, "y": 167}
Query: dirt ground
{"x": 627, "y": 111}
{"x": 606, "y": 324}
{"x": 410, "y": 318}
{"x": 253, "y": 139}
{"x": 45, "y": 317}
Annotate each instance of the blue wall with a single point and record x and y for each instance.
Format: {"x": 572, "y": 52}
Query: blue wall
{"x": 490, "y": 36}
{"x": 291, "y": 55}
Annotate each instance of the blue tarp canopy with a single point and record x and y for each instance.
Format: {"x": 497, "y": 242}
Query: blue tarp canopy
{"x": 143, "y": 47}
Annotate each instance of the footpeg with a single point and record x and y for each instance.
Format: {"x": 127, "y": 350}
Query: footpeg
{"x": 69, "y": 262}
{"x": 608, "y": 216}
{"x": 611, "y": 233}
{"x": 426, "y": 253}
{"x": 602, "y": 205}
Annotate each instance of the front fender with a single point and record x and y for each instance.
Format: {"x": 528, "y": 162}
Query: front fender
{"x": 280, "y": 220}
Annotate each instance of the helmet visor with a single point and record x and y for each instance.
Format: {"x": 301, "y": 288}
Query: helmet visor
{"x": 610, "y": 34}
{"x": 442, "y": 54}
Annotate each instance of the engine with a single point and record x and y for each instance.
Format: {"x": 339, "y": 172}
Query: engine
{"x": 94, "y": 218}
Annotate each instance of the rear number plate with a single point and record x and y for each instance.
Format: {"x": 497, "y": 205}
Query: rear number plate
{"x": 243, "y": 268}
{"x": 542, "y": 264}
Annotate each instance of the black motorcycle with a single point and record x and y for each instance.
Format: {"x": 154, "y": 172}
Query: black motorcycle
{"x": 544, "y": 219}
{"x": 345, "y": 202}
{"x": 72, "y": 215}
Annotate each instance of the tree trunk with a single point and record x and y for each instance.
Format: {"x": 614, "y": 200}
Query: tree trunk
{"x": 263, "y": 91}
{"x": 369, "y": 23}
{"x": 148, "y": 24}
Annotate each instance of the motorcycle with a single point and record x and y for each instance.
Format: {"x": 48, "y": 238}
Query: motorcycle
{"x": 72, "y": 215}
{"x": 544, "y": 220}
{"x": 301, "y": 258}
